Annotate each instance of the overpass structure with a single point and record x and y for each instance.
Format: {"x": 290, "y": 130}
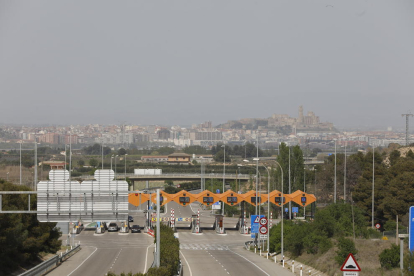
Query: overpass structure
{"x": 176, "y": 176}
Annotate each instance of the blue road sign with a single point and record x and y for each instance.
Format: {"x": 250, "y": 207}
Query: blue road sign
{"x": 329, "y": 154}
{"x": 411, "y": 230}
{"x": 295, "y": 210}
{"x": 252, "y": 236}
{"x": 180, "y": 219}
{"x": 255, "y": 223}
{"x": 217, "y": 191}
{"x": 286, "y": 210}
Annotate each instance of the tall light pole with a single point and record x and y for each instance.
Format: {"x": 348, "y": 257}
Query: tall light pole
{"x": 21, "y": 162}
{"x": 102, "y": 151}
{"x": 335, "y": 175}
{"x": 373, "y": 183}
{"x": 345, "y": 174}
{"x": 257, "y": 167}
{"x": 224, "y": 173}
{"x": 125, "y": 164}
{"x": 35, "y": 165}
{"x": 112, "y": 157}
{"x": 290, "y": 191}
{"x": 115, "y": 166}
{"x": 7, "y": 176}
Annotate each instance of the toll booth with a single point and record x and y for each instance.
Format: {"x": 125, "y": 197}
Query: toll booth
{"x": 195, "y": 224}
{"x": 124, "y": 227}
{"x": 77, "y": 228}
{"x": 100, "y": 227}
{"x": 219, "y": 223}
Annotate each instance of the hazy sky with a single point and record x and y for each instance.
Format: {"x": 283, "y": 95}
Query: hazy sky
{"x": 183, "y": 62}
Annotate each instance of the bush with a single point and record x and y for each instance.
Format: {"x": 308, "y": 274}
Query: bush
{"x": 345, "y": 246}
{"x": 390, "y": 258}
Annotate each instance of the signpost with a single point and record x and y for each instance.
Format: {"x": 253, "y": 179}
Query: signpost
{"x": 350, "y": 267}
{"x": 411, "y": 230}
{"x": 378, "y": 226}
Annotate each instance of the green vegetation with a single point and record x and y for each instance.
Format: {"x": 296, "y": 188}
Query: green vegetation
{"x": 390, "y": 258}
{"x": 331, "y": 223}
{"x": 22, "y": 237}
{"x": 345, "y": 246}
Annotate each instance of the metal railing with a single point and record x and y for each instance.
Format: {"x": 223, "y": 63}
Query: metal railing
{"x": 50, "y": 264}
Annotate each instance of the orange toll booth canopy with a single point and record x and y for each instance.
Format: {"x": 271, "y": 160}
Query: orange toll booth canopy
{"x": 231, "y": 198}
{"x": 164, "y": 198}
{"x": 184, "y": 198}
{"x": 276, "y": 198}
{"x": 302, "y": 198}
{"x": 207, "y": 198}
{"x": 138, "y": 198}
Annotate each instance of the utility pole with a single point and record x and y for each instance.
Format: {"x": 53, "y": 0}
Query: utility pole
{"x": 407, "y": 115}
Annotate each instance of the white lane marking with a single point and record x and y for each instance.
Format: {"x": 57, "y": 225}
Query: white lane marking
{"x": 84, "y": 260}
{"x": 189, "y": 268}
{"x": 250, "y": 262}
{"x": 146, "y": 258}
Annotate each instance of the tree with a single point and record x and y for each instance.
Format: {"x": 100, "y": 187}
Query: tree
{"x": 296, "y": 166}
{"x": 219, "y": 156}
{"x": 81, "y": 163}
{"x": 22, "y": 236}
{"x": 122, "y": 151}
{"x": 96, "y": 149}
{"x": 345, "y": 246}
{"x": 93, "y": 162}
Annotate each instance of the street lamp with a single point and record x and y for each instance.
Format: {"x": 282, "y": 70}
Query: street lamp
{"x": 224, "y": 173}
{"x": 373, "y": 183}
{"x": 125, "y": 164}
{"x": 345, "y": 174}
{"x": 335, "y": 175}
{"x": 212, "y": 181}
{"x": 112, "y": 157}
{"x": 7, "y": 176}
{"x": 20, "y": 162}
{"x": 115, "y": 165}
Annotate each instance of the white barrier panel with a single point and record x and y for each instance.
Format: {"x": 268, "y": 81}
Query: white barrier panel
{"x": 61, "y": 200}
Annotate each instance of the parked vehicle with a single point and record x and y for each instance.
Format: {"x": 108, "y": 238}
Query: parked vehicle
{"x": 130, "y": 219}
{"x": 113, "y": 227}
{"x": 135, "y": 229}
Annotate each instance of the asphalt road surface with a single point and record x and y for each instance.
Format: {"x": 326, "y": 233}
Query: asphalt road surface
{"x": 207, "y": 253}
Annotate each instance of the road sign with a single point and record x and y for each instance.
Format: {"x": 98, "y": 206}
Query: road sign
{"x": 350, "y": 264}
{"x": 295, "y": 210}
{"x": 216, "y": 205}
{"x": 263, "y": 230}
{"x": 378, "y": 226}
{"x": 263, "y": 221}
{"x": 286, "y": 210}
{"x": 254, "y": 222}
{"x": 262, "y": 237}
{"x": 350, "y": 273}
{"x": 217, "y": 191}
{"x": 411, "y": 230}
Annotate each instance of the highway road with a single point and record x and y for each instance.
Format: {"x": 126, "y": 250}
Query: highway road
{"x": 207, "y": 253}
{"x": 111, "y": 251}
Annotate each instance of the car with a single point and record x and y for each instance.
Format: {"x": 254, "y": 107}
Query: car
{"x": 130, "y": 219}
{"x": 113, "y": 227}
{"x": 135, "y": 229}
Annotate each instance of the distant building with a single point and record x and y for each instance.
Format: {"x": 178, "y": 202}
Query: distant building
{"x": 179, "y": 158}
{"x": 154, "y": 158}
{"x": 163, "y": 134}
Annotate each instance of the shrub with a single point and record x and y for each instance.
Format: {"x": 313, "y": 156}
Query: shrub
{"x": 345, "y": 246}
{"x": 390, "y": 257}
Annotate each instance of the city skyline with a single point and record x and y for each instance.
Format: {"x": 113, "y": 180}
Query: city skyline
{"x": 143, "y": 63}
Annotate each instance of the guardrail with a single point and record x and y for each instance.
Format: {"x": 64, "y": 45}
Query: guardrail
{"x": 50, "y": 264}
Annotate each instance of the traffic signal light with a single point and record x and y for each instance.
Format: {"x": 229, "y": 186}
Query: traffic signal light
{"x": 303, "y": 199}
{"x": 208, "y": 200}
{"x": 184, "y": 199}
